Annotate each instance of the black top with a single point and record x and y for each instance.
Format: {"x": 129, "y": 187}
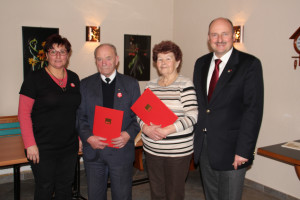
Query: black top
{"x": 54, "y": 112}
{"x": 108, "y": 91}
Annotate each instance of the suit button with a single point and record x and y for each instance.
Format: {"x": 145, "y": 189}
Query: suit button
{"x": 207, "y": 111}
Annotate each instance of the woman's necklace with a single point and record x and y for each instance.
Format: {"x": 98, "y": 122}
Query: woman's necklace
{"x": 60, "y": 81}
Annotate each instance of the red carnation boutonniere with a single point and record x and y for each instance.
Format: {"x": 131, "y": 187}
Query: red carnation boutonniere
{"x": 119, "y": 94}
{"x": 72, "y": 85}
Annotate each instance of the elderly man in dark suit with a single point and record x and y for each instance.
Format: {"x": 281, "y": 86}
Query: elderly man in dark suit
{"x": 110, "y": 89}
{"x": 229, "y": 87}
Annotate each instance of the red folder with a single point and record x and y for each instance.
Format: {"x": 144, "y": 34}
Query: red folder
{"x": 150, "y": 108}
{"x": 107, "y": 123}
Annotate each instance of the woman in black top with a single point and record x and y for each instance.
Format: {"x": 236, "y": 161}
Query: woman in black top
{"x": 48, "y": 102}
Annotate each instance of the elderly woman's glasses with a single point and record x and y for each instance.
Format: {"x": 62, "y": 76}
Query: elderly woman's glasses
{"x": 53, "y": 52}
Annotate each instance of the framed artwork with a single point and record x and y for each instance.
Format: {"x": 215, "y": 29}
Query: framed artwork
{"x": 34, "y": 57}
{"x": 137, "y": 56}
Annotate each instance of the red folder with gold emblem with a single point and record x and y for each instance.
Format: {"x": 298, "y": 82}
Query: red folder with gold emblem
{"x": 107, "y": 123}
{"x": 150, "y": 108}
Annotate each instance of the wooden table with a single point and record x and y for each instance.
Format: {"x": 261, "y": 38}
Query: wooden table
{"x": 286, "y": 155}
{"x": 12, "y": 154}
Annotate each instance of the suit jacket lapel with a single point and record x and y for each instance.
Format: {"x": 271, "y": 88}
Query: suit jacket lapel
{"x": 97, "y": 90}
{"x": 227, "y": 73}
{"x": 119, "y": 92}
{"x": 204, "y": 74}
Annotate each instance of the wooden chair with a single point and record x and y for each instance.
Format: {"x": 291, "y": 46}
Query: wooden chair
{"x": 9, "y": 126}
{"x": 138, "y": 162}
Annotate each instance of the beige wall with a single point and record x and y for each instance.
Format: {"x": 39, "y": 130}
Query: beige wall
{"x": 268, "y": 26}
{"x": 115, "y": 17}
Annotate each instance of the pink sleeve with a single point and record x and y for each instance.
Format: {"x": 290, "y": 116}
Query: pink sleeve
{"x": 24, "y": 115}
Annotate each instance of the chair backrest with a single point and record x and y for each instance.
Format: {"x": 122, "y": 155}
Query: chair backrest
{"x": 9, "y": 126}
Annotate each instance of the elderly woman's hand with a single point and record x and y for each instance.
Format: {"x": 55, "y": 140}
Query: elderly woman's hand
{"x": 151, "y": 132}
{"x": 166, "y": 130}
{"x": 80, "y": 146}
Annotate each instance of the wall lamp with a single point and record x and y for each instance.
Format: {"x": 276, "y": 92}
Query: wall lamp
{"x": 239, "y": 33}
{"x": 92, "y": 34}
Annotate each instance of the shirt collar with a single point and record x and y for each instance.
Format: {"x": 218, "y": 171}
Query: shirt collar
{"x": 225, "y": 57}
{"x": 112, "y": 76}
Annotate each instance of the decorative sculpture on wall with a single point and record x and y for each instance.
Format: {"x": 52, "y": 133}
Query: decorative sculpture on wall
{"x": 296, "y": 38}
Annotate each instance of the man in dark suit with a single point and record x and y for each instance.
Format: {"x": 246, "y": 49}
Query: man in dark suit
{"x": 110, "y": 89}
{"x": 230, "y": 99}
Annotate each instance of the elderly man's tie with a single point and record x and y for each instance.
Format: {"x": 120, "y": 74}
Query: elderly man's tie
{"x": 107, "y": 80}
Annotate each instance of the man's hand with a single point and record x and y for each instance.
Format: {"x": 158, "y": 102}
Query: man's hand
{"x": 238, "y": 161}
{"x": 33, "y": 154}
{"x": 96, "y": 142}
{"x": 121, "y": 141}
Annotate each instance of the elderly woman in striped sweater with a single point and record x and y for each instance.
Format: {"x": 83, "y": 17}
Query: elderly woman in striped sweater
{"x": 168, "y": 150}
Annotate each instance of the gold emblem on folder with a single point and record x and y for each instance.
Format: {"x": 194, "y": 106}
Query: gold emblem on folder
{"x": 148, "y": 107}
{"x": 107, "y": 121}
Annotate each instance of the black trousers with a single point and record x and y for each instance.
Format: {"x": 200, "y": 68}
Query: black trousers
{"x": 54, "y": 176}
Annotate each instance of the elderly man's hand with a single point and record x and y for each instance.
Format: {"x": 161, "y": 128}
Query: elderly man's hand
{"x": 96, "y": 142}
{"x": 121, "y": 141}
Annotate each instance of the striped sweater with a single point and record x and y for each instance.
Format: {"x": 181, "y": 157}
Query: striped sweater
{"x": 180, "y": 97}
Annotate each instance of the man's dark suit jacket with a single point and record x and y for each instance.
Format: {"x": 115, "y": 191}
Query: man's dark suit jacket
{"x": 233, "y": 116}
{"x": 91, "y": 94}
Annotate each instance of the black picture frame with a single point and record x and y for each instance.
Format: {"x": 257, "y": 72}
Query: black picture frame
{"x": 137, "y": 53}
{"x": 34, "y": 57}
